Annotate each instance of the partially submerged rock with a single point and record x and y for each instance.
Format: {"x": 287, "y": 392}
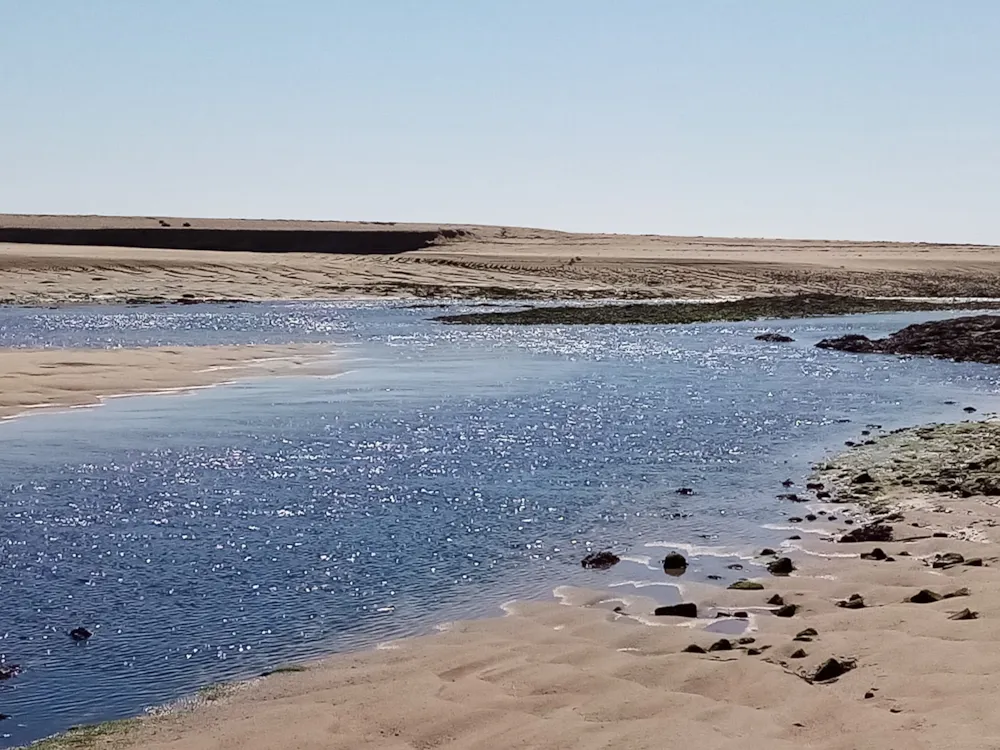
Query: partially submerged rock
{"x": 788, "y": 610}
{"x": 873, "y": 532}
{"x": 675, "y": 562}
{"x": 9, "y": 671}
{"x": 774, "y": 338}
{"x": 685, "y": 609}
{"x": 600, "y": 560}
{"x": 745, "y": 585}
{"x": 783, "y": 566}
{"x": 831, "y": 669}
{"x": 80, "y": 634}
{"x": 854, "y": 601}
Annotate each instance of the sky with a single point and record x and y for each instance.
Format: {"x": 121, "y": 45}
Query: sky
{"x": 840, "y": 119}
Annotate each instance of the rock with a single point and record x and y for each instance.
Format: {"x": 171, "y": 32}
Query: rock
{"x": 831, "y": 518}
{"x": 783, "y": 566}
{"x": 975, "y": 562}
{"x": 767, "y": 552}
{"x": 862, "y": 478}
{"x": 947, "y": 560}
{"x": 831, "y": 669}
{"x": 798, "y": 654}
{"x": 855, "y": 601}
{"x": 685, "y": 491}
{"x": 754, "y": 652}
{"x": 814, "y": 486}
{"x": 940, "y": 535}
{"x": 965, "y": 614}
{"x": 957, "y": 592}
{"x": 686, "y": 609}
{"x": 693, "y": 649}
{"x": 967, "y": 339}
{"x": 80, "y": 634}
{"x": 735, "y": 566}
{"x": 969, "y": 409}
{"x": 873, "y": 532}
{"x": 675, "y": 562}
{"x": 9, "y": 671}
{"x": 793, "y": 498}
{"x": 869, "y": 695}
{"x": 794, "y": 537}
{"x": 795, "y": 519}
{"x": 714, "y": 577}
{"x": 823, "y": 495}
{"x": 789, "y": 610}
{"x": 600, "y": 560}
{"x": 774, "y": 338}
{"x": 741, "y": 615}
{"x": 721, "y": 645}
{"x": 618, "y": 610}
{"x": 746, "y": 640}
{"x": 925, "y": 596}
{"x": 788, "y": 483}
{"x": 745, "y": 585}
{"x": 876, "y": 554}
{"x": 810, "y": 516}
{"x": 777, "y": 600}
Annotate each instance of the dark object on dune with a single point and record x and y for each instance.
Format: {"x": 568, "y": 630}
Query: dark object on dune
{"x": 774, "y": 338}
{"x": 823, "y": 495}
{"x": 854, "y": 601}
{"x": 777, "y": 600}
{"x": 600, "y": 560}
{"x": 798, "y": 654}
{"x": 694, "y": 648}
{"x": 876, "y": 554}
{"x": 831, "y": 669}
{"x": 806, "y": 635}
{"x": 965, "y": 614}
{"x": 940, "y": 535}
{"x": 675, "y": 563}
{"x": 783, "y": 566}
{"x": 9, "y": 671}
{"x": 925, "y": 596}
{"x": 684, "y": 491}
{"x": 974, "y": 562}
{"x": 746, "y": 640}
{"x": 873, "y": 532}
{"x": 863, "y": 478}
{"x": 186, "y": 224}
{"x": 947, "y": 560}
{"x": 767, "y": 551}
{"x": 745, "y": 585}
{"x": 789, "y": 610}
{"x": 721, "y": 645}
{"x": 686, "y": 609}
{"x": 80, "y": 634}
{"x": 975, "y": 338}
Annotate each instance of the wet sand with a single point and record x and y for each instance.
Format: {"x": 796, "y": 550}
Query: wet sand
{"x": 579, "y": 675}
{"x": 358, "y": 260}
{"x": 32, "y": 379}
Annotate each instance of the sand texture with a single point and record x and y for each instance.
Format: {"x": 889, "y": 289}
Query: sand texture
{"x": 69, "y": 259}
{"x": 32, "y": 379}
{"x": 583, "y": 676}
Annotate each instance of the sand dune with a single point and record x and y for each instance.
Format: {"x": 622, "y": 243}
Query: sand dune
{"x": 47, "y": 378}
{"x": 412, "y": 260}
{"x": 582, "y": 676}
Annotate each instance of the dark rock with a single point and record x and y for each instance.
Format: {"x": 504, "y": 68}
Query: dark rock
{"x": 694, "y": 649}
{"x": 675, "y": 561}
{"x": 940, "y": 535}
{"x": 4, "y": 717}
{"x": 783, "y": 566}
{"x": 774, "y": 338}
{"x": 823, "y": 495}
{"x": 685, "y": 491}
{"x": 947, "y": 560}
{"x": 789, "y": 610}
{"x": 957, "y": 592}
{"x": 811, "y": 517}
{"x": 814, "y": 486}
{"x": 746, "y": 640}
{"x": 618, "y": 610}
{"x": 794, "y": 537}
{"x": 795, "y": 519}
{"x": 754, "y": 652}
{"x": 849, "y": 443}
{"x": 721, "y": 645}
{"x": 967, "y": 339}
{"x": 745, "y": 585}
{"x": 186, "y": 224}
{"x": 80, "y": 634}
{"x": 969, "y": 409}
{"x": 686, "y": 609}
{"x": 807, "y": 633}
{"x": 600, "y": 560}
{"x": 788, "y": 483}
{"x": 777, "y": 600}
{"x": 735, "y": 566}
{"x": 965, "y": 614}
{"x": 9, "y": 671}
{"x": 876, "y": 554}
{"x": 869, "y": 695}
{"x": 873, "y": 532}
{"x": 714, "y": 577}
{"x": 855, "y": 601}
{"x": 793, "y": 498}
{"x": 741, "y": 615}
{"x": 974, "y": 562}
{"x": 831, "y": 669}
{"x": 831, "y": 518}
{"x": 767, "y": 552}
{"x": 798, "y": 654}
{"x": 925, "y": 596}
{"x": 863, "y": 478}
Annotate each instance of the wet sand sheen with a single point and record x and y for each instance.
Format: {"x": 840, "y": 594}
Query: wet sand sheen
{"x": 32, "y": 379}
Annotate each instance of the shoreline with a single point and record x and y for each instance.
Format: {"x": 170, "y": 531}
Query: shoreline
{"x": 552, "y": 675}
{"x": 34, "y": 381}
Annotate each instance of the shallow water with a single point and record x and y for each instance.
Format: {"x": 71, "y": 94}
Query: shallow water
{"x": 212, "y": 535}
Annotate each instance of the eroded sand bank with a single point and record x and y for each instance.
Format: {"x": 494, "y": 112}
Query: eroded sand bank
{"x": 33, "y": 379}
{"x": 583, "y": 676}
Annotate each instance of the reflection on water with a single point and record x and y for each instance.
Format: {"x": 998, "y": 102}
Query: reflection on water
{"x": 215, "y": 534}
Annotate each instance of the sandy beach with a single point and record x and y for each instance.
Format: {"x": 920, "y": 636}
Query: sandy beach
{"x": 51, "y": 263}
{"x": 33, "y": 379}
{"x": 916, "y": 674}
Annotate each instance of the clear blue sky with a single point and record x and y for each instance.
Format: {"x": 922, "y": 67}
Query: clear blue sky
{"x": 859, "y": 119}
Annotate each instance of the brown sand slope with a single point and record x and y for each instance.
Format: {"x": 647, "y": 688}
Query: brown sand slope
{"x": 551, "y": 676}
{"x": 46, "y": 378}
{"x": 413, "y": 260}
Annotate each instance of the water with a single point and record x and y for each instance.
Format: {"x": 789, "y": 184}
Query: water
{"x": 212, "y": 535}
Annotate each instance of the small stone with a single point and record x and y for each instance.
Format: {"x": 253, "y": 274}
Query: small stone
{"x": 869, "y": 695}
{"x": 741, "y": 615}
{"x": 685, "y": 491}
{"x": 803, "y": 638}
{"x": 686, "y": 609}
{"x": 974, "y": 562}
{"x": 788, "y": 483}
{"x": 746, "y": 640}
{"x": 807, "y": 633}
{"x": 745, "y": 585}
{"x": 969, "y": 409}
{"x": 814, "y": 485}
{"x": 774, "y": 338}
{"x": 873, "y": 532}
{"x": 721, "y": 645}
{"x": 947, "y": 560}
{"x": 798, "y": 654}
{"x": 735, "y": 566}
{"x": 876, "y": 554}
{"x": 965, "y": 614}
{"x": 777, "y": 600}
{"x": 694, "y": 649}
{"x": 714, "y": 577}
{"x": 767, "y": 551}
{"x": 754, "y": 652}
{"x": 794, "y": 537}
{"x": 788, "y": 610}
{"x": 675, "y": 562}
{"x": 855, "y": 601}
{"x": 863, "y": 478}
{"x": 940, "y": 535}
{"x": 80, "y": 634}
{"x": 823, "y": 495}
{"x": 831, "y": 669}
{"x": 811, "y": 517}
{"x": 792, "y": 498}
{"x": 957, "y": 592}
{"x": 600, "y": 560}
{"x": 925, "y": 596}
{"x": 831, "y": 518}
{"x": 783, "y": 566}
{"x": 795, "y": 519}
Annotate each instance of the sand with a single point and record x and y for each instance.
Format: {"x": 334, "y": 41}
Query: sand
{"x": 578, "y": 675}
{"x": 458, "y": 261}
{"x": 32, "y": 379}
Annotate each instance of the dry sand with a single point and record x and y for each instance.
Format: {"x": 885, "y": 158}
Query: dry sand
{"x": 582, "y": 676}
{"x": 440, "y": 261}
{"x": 33, "y": 379}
